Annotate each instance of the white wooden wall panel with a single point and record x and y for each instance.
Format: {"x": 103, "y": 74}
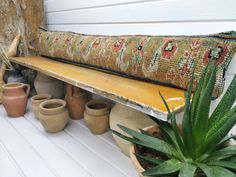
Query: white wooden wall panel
{"x": 156, "y": 11}
{"x": 153, "y": 17}
{"x": 62, "y": 5}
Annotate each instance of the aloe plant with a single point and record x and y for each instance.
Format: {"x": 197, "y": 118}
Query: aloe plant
{"x": 200, "y": 147}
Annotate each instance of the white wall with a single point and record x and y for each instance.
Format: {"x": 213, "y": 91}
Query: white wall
{"x": 164, "y": 17}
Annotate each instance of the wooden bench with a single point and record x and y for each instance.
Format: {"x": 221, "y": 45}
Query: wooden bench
{"x": 139, "y": 95}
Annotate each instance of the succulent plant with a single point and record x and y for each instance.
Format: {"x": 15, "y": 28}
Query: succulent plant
{"x": 199, "y": 148}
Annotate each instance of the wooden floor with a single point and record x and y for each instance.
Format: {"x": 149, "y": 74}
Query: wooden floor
{"x": 26, "y": 150}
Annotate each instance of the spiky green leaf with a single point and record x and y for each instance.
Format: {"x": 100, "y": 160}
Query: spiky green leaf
{"x": 187, "y": 170}
{"x": 167, "y": 131}
{"x": 220, "y": 129}
{"x": 225, "y": 104}
{"x": 202, "y": 112}
{"x": 153, "y": 161}
{"x": 196, "y": 96}
{"x": 223, "y": 153}
{"x": 231, "y": 159}
{"x": 187, "y": 123}
{"x": 147, "y": 141}
{"x": 225, "y": 164}
{"x": 181, "y": 146}
{"x": 167, "y": 167}
{"x": 215, "y": 171}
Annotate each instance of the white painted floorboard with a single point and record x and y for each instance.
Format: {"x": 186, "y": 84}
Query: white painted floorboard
{"x": 26, "y": 150}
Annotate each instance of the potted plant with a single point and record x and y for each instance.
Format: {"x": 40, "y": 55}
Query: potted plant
{"x": 199, "y": 148}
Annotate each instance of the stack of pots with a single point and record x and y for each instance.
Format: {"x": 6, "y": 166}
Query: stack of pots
{"x": 37, "y": 100}
{"x": 96, "y": 116}
{"x": 52, "y": 113}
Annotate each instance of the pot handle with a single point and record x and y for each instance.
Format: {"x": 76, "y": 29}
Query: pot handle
{"x": 69, "y": 90}
{"x": 27, "y": 89}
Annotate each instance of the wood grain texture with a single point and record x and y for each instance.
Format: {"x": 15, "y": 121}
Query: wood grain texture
{"x": 138, "y": 94}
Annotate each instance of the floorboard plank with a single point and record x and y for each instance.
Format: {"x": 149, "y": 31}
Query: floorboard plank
{"x": 107, "y": 137}
{"x": 55, "y": 158}
{"x": 103, "y": 149}
{"x": 80, "y": 153}
{"x": 8, "y": 168}
{"x": 21, "y": 151}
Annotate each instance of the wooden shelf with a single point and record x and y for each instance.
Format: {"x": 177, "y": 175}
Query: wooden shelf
{"x": 139, "y": 95}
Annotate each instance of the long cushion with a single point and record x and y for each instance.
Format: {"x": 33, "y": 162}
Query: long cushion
{"x": 162, "y": 59}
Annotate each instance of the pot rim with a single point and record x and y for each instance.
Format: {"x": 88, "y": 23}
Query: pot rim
{"x": 52, "y": 110}
{"x": 95, "y": 111}
{"x": 135, "y": 161}
{"x": 10, "y": 86}
{"x": 40, "y": 97}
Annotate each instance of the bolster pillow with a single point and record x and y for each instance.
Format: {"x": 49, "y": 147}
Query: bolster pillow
{"x": 165, "y": 60}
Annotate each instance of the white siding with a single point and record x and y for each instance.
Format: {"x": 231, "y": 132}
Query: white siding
{"x": 152, "y": 17}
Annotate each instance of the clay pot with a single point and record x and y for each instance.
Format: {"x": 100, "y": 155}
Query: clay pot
{"x": 76, "y": 99}
{"x": 53, "y": 115}
{"x": 96, "y": 116}
{"x": 45, "y": 84}
{"x": 15, "y": 98}
{"x": 36, "y": 101}
{"x": 131, "y": 118}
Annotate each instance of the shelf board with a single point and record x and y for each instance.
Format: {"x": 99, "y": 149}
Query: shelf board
{"x": 139, "y": 95}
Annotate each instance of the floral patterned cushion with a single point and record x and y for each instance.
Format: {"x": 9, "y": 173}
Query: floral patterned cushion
{"x": 162, "y": 59}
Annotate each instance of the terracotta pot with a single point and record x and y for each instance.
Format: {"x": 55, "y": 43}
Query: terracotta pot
{"x": 36, "y": 100}
{"x": 45, "y": 84}
{"x": 15, "y": 98}
{"x": 76, "y": 99}
{"x": 53, "y": 115}
{"x": 96, "y": 116}
{"x": 129, "y": 117}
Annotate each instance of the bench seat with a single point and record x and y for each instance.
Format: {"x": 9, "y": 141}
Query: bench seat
{"x": 137, "y": 94}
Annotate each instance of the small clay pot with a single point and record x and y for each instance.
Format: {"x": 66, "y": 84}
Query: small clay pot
{"x": 96, "y": 116}
{"x": 15, "y": 96}
{"x": 76, "y": 99}
{"x": 53, "y": 115}
{"x": 36, "y": 100}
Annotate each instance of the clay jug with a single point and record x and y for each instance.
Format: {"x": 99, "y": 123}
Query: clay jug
{"x": 53, "y": 115}
{"x": 45, "y": 84}
{"x": 129, "y": 117}
{"x": 96, "y": 116}
{"x": 76, "y": 99}
{"x": 15, "y": 98}
{"x": 36, "y": 101}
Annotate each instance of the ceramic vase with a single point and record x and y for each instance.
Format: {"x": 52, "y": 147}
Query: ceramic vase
{"x": 45, "y": 84}
{"x": 53, "y": 115}
{"x": 15, "y": 98}
{"x": 96, "y": 116}
{"x": 76, "y": 99}
{"x": 36, "y": 101}
{"x": 129, "y": 117}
